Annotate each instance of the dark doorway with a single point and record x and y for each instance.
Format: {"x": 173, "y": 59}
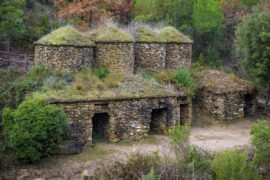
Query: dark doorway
{"x": 100, "y": 123}
{"x": 184, "y": 113}
{"x": 248, "y": 104}
{"x": 158, "y": 124}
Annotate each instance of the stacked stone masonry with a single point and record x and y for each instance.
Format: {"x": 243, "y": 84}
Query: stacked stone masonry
{"x": 115, "y": 56}
{"x": 178, "y": 55}
{"x": 150, "y": 56}
{"x": 128, "y": 119}
{"x": 229, "y": 106}
{"x": 63, "y": 58}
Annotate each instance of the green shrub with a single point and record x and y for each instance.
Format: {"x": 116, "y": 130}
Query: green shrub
{"x": 150, "y": 176}
{"x": 261, "y": 141}
{"x": 101, "y": 73}
{"x": 231, "y": 165}
{"x": 179, "y": 140}
{"x": 182, "y": 78}
{"x": 34, "y": 129}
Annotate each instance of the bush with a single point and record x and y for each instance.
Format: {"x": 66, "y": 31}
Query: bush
{"x": 136, "y": 166}
{"x": 101, "y": 73}
{"x": 34, "y": 129}
{"x": 261, "y": 141}
{"x": 232, "y": 164}
{"x": 182, "y": 78}
{"x": 179, "y": 140}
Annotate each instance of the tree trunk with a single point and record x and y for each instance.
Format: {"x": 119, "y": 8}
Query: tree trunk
{"x": 267, "y": 97}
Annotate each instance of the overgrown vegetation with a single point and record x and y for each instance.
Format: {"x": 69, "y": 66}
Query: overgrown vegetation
{"x": 144, "y": 34}
{"x": 170, "y": 34}
{"x": 34, "y": 129}
{"x": 181, "y": 78}
{"x": 66, "y": 36}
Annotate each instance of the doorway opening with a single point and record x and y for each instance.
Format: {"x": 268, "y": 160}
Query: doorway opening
{"x": 184, "y": 114}
{"x": 100, "y": 122}
{"x": 158, "y": 124}
{"x": 248, "y": 104}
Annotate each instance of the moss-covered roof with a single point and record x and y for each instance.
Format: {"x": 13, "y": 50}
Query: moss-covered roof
{"x": 170, "y": 34}
{"x": 66, "y": 36}
{"x": 110, "y": 33}
{"x": 143, "y": 34}
{"x": 220, "y": 83}
{"x": 86, "y": 86}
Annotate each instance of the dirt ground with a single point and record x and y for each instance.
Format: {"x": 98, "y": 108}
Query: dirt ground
{"x": 212, "y": 138}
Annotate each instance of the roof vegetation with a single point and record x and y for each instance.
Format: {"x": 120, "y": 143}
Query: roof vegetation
{"x": 110, "y": 33}
{"x": 97, "y": 85}
{"x": 68, "y": 36}
{"x": 220, "y": 82}
{"x": 144, "y": 34}
{"x": 170, "y": 34}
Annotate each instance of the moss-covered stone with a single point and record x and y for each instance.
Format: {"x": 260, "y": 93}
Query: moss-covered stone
{"x": 66, "y": 36}
{"x": 110, "y": 33}
{"x": 170, "y": 34}
{"x": 144, "y": 34}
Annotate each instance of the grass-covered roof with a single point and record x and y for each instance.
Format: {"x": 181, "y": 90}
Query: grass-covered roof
{"x": 143, "y": 34}
{"x": 220, "y": 82}
{"x": 66, "y": 36}
{"x": 86, "y": 85}
{"x": 110, "y": 33}
{"x": 170, "y": 34}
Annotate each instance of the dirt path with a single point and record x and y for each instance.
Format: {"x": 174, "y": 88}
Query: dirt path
{"x": 212, "y": 139}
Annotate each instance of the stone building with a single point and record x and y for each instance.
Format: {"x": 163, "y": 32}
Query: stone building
{"x": 125, "y": 119}
{"x": 178, "y": 48}
{"x": 64, "y": 49}
{"x": 150, "y": 53}
{"x": 114, "y": 49}
{"x": 225, "y": 97}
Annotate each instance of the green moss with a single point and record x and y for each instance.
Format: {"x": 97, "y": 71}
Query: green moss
{"x": 146, "y": 35}
{"x": 111, "y": 33}
{"x": 66, "y": 36}
{"x": 170, "y": 34}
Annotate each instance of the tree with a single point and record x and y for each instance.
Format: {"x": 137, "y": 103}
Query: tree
{"x": 11, "y": 21}
{"x": 253, "y": 40}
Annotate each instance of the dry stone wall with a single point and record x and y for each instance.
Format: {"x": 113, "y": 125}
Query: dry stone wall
{"x": 63, "y": 58}
{"x": 178, "y": 55}
{"x": 150, "y": 56}
{"x": 227, "y": 106}
{"x": 128, "y": 119}
{"x": 115, "y": 56}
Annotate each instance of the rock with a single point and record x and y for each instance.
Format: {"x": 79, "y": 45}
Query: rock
{"x": 85, "y": 175}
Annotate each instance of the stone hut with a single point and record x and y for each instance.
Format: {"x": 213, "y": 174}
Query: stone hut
{"x": 225, "y": 97}
{"x": 124, "y": 119}
{"x": 150, "y": 54}
{"x": 114, "y": 49}
{"x": 64, "y": 49}
{"x": 178, "y": 49}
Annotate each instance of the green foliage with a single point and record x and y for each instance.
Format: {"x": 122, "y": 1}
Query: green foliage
{"x": 207, "y": 15}
{"x": 101, "y": 73}
{"x": 179, "y": 140}
{"x": 34, "y": 130}
{"x": 261, "y": 141}
{"x": 250, "y": 2}
{"x": 150, "y": 176}
{"x": 182, "y": 78}
{"x": 232, "y": 164}
{"x": 253, "y": 50}
{"x": 66, "y": 36}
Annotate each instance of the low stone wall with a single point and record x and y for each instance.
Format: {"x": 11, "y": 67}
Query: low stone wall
{"x": 150, "y": 56}
{"x": 227, "y": 106}
{"x": 128, "y": 119}
{"x": 178, "y": 55}
{"x": 63, "y": 58}
{"x": 115, "y": 56}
